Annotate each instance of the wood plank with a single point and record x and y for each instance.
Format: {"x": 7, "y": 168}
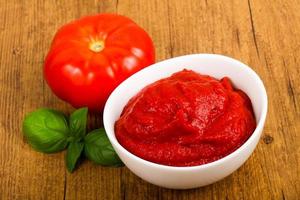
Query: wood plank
{"x": 263, "y": 34}
{"x": 25, "y": 173}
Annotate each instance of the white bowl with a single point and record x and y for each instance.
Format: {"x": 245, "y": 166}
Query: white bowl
{"x": 217, "y": 66}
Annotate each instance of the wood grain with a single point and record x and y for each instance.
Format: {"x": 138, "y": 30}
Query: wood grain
{"x": 263, "y": 34}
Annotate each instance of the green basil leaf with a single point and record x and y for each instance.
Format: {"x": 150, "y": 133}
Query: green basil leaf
{"x": 73, "y": 153}
{"x": 46, "y": 130}
{"x": 77, "y": 123}
{"x": 98, "y": 149}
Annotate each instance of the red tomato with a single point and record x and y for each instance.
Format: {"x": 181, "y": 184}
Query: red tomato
{"x": 89, "y": 57}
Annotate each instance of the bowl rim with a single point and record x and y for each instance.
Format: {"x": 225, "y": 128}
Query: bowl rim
{"x": 256, "y": 132}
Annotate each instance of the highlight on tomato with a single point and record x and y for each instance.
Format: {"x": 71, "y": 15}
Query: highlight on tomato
{"x": 90, "y": 56}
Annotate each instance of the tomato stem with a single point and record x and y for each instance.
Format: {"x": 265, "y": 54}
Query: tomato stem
{"x": 97, "y": 46}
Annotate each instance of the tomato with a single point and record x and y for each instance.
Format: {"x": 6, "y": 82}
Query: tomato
{"x": 89, "y": 57}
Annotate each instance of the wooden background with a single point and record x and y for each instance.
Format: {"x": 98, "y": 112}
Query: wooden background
{"x": 263, "y": 34}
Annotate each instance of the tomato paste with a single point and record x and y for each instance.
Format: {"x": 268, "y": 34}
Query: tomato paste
{"x": 187, "y": 119}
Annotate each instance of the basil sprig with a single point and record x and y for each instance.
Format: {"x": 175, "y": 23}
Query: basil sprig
{"x": 46, "y": 130}
{"x": 73, "y": 153}
{"x": 50, "y": 131}
{"x": 77, "y": 123}
{"x": 98, "y": 149}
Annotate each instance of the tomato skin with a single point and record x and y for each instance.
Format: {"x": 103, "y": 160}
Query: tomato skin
{"x": 89, "y": 57}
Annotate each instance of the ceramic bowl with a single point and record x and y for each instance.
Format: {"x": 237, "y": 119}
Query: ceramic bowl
{"x": 218, "y": 66}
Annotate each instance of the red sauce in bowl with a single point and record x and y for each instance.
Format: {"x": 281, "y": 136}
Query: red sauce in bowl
{"x": 187, "y": 119}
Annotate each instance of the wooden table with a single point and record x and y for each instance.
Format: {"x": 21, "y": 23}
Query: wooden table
{"x": 262, "y": 34}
